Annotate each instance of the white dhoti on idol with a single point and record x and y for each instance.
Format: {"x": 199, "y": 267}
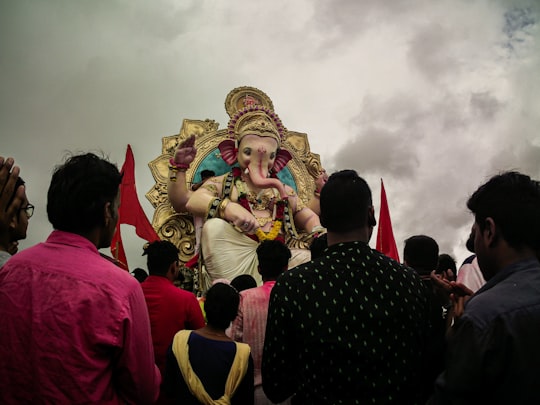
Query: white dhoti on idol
{"x": 228, "y": 253}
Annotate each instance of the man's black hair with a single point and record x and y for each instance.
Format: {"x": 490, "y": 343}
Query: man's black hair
{"x": 273, "y": 258}
{"x": 244, "y": 282}
{"x": 345, "y": 202}
{"x": 139, "y": 274}
{"x": 206, "y": 174}
{"x": 446, "y": 262}
{"x": 512, "y": 200}
{"x": 221, "y": 305}
{"x": 160, "y": 255}
{"x": 421, "y": 252}
{"x": 78, "y": 192}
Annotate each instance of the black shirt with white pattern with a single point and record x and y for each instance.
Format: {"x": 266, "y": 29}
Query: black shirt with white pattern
{"x": 347, "y": 328}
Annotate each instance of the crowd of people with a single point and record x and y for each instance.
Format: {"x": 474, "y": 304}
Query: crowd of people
{"x": 350, "y": 326}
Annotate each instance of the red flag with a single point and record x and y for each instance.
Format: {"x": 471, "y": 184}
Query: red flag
{"x": 130, "y": 211}
{"x": 386, "y": 244}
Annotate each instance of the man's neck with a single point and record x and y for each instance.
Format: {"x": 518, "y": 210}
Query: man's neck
{"x": 356, "y": 235}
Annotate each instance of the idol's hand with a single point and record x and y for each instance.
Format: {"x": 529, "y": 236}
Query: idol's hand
{"x": 186, "y": 151}
{"x": 242, "y": 219}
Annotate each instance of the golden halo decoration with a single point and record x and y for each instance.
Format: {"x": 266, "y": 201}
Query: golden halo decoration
{"x": 246, "y": 96}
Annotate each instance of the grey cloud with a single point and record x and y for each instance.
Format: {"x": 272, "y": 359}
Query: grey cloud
{"x": 431, "y": 51}
{"x": 484, "y": 105}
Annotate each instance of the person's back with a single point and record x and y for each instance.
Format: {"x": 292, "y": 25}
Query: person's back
{"x": 60, "y": 343}
{"x": 421, "y": 253}
{"x": 75, "y": 326}
{"x": 493, "y": 354}
{"x": 250, "y": 324}
{"x": 350, "y": 326}
{"x": 205, "y": 364}
{"x": 170, "y": 308}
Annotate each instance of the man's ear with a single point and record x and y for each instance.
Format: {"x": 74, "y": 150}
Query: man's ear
{"x": 490, "y": 232}
{"x": 14, "y": 220}
{"x": 371, "y": 217}
{"x": 107, "y": 214}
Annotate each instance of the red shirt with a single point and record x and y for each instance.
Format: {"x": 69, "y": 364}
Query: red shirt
{"x": 171, "y": 309}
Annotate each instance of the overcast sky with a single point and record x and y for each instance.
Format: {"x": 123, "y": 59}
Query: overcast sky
{"x": 433, "y": 97}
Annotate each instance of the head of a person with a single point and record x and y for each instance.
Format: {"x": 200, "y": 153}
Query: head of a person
{"x": 206, "y": 174}
{"x": 221, "y": 305}
{"x": 421, "y": 252}
{"x": 244, "y": 282}
{"x": 273, "y": 257}
{"x": 161, "y": 258}
{"x": 447, "y": 263}
{"x": 19, "y": 223}
{"x": 346, "y": 203}
{"x": 139, "y": 274}
{"x": 84, "y": 197}
{"x": 318, "y": 245}
{"x": 506, "y": 209}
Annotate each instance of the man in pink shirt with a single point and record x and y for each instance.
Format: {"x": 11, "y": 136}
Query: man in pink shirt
{"x": 250, "y": 324}
{"x": 171, "y": 309}
{"x": 75, "y": 327}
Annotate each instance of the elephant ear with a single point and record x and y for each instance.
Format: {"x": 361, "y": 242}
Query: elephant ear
{"x": 228, "y": 151}
{"x": 282, "y": 158}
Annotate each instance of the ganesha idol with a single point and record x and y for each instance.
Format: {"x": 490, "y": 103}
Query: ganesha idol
{"x": 249, "y": 204}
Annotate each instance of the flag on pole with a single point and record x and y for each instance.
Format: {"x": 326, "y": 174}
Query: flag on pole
{"x": 130, "y": 211}
{"x": 386, "y": 244}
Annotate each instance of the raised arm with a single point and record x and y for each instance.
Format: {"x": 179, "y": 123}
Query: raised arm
{"x": 8, "y": 178}
{"x": 177, "y": 188}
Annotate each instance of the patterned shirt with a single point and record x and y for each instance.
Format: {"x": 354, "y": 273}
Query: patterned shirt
{"x": 349, "y": 327}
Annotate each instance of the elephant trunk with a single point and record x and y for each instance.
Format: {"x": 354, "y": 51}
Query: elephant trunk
{"x": 258, "y": 173}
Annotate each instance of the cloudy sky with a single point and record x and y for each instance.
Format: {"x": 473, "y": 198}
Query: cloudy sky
{"x": 432, "y": 97}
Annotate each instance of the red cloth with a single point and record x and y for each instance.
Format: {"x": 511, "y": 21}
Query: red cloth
{"x": 386, "y": 244}
{"x": 75, "y": 328}
{"x": 130, "y": 211}
{"x": 170, "y": 309}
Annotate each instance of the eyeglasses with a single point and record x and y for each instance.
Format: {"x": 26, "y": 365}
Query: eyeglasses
{"x": 29, "y": 209}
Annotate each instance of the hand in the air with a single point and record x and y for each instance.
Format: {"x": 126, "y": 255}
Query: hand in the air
{"x": 186, "y": 151}
{"x": 8, "y": 177}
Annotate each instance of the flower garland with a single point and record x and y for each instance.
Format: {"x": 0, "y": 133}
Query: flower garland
{"x": 281, "y": 207}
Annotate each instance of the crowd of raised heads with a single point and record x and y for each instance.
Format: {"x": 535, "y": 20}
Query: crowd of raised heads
{"x": 347, "y": 325}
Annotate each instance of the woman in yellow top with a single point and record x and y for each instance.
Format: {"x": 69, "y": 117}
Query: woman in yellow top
{"x": 205, "y": 366}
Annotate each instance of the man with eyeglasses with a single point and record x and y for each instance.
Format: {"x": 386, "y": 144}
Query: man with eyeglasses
{"x": 16, "y": 224}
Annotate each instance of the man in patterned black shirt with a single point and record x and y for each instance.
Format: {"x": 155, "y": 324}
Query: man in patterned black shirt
{"x": 349, "y": 327}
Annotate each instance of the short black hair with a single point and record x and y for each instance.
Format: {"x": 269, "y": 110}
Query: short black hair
{"x": 160, "y": 255}
{"x": 446, "y": 262}
{"x": 512, "y": 200}
{"x": 206, "y": 174}
{"x": 79, "y": 191}
{"x": 244, "y": 282}
{"x": 221, "y": 305}
{"x": 140, "y": 274}
{"x": 345, "y": 202}
{"x": 421, "y": 252}
{"x": 273, "y": 258}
